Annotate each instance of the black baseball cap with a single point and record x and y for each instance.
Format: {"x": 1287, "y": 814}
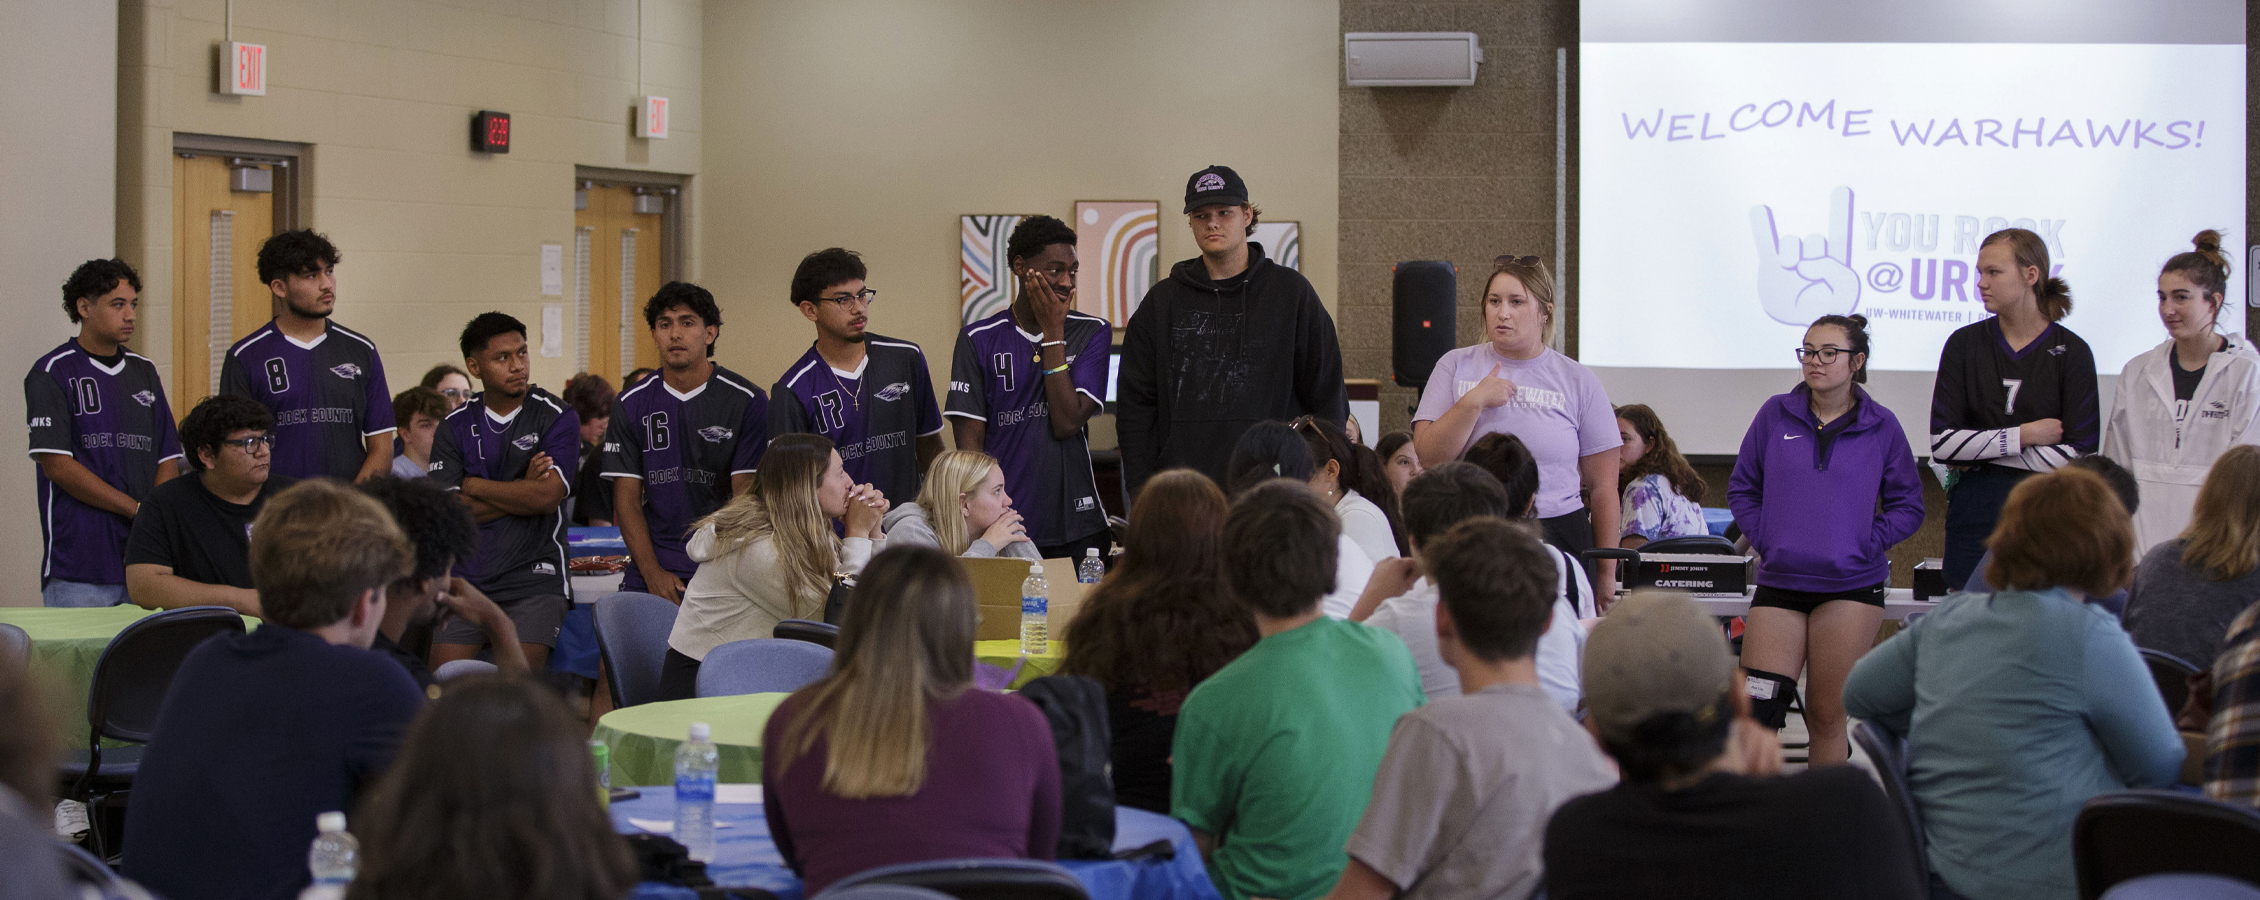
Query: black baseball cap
{"x": 1215, "y": 184}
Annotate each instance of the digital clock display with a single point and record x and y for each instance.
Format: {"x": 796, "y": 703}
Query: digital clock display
{"x": 490, "y": 132}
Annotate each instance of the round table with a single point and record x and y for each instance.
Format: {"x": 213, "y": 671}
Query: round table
{"x": 643, "y": 738}
{"x": 67, "y": 643}
{"x": 1006, "y": 654}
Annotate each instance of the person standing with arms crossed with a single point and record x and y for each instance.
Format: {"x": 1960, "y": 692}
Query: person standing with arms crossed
{"x": 680, "y": 445}
{"x": 1022, "y": 384}
{"x": 323, "y": 381}
{"x": 1823, "y": 487}
{"x": 509, "y": 453}
{"x": 1229, "y": 339}
{"x": 2184, "y": 402}
{"x": 867, "y": 393}
{"x": 1513, "y": 382}
{"x": 2015, "y": 393}
{"x": 102, "y": 436}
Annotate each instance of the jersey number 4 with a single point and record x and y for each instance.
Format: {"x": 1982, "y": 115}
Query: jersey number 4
{"x": 656, "y": 434}
{"x": 2013, "y": 384}
{"x": 278, "y": 376}
{"x": 1003, "y": 363}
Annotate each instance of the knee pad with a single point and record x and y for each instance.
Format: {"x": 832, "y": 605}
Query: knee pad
{"x": 1771, "y": 696}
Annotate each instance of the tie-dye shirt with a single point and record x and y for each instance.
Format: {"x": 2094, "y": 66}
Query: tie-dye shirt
{"x": 1654, "y": 511}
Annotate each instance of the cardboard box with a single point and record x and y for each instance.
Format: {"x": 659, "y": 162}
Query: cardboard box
{"x": 996, "y": 589}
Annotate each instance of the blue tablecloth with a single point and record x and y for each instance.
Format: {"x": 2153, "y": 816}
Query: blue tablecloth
{"x": 591, "y": 541}
{"x": 746, "y": 857}
{"x": 1714, "y": 518}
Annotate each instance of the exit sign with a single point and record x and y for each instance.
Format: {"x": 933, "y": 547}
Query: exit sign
{"x": 490, "y": 132}
{"x": 651, "y": 118}
{"x": 243, "y": 69}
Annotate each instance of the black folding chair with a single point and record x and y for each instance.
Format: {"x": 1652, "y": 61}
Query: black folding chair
{"x": 2172, "y": 675}
{"x": 977, "y": 879}
{"x": 2129, "y": 834}
{"x": 820, "y": 633}
{"x": 130, "y": 681}
{"x": 1889, "y": 754}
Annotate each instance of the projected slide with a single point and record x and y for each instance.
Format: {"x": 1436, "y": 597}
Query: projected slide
{"x": 1731, "y": 192}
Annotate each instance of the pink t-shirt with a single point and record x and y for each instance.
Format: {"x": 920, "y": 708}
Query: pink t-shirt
{"x": 1559, "y": 410}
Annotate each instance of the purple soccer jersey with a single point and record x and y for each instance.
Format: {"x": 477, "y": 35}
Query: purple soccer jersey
{"x": 517, "y": 556}
{"x": 112, "y": 417}
{"x": 997, "y": 377}
{"x": 874, "y": 415}
{"x": 684, "y": 448}
{"x": 328, "y": 397}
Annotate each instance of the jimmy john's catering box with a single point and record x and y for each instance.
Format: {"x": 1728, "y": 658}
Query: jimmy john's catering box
{"x": 1700, "y": 573}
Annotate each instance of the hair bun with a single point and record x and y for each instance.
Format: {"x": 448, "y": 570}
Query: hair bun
{"x": 2207, "y": 241}
{"x": 1859, "y": 320}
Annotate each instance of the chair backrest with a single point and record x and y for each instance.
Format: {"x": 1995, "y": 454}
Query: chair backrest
{"x": 977, "y": 879}
{"x": 882, "y": 892}
{"x": 2176, "y": 886}
{"x": 761, "y": 666}
{"x": 15, "y": 649}
{"x": 135, "y": 670}
{"x": 2172, "y": 675}
{"x": 820, "y": 633}
{"x": 631, "y": 635}
{"x": 1889, "y": 754}
{"x": 2128, "y": 834}
{"x": 1693, "y": 543}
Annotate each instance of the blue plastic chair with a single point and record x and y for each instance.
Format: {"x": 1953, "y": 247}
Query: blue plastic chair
{"x": 761, "y": 666}
{"x": 974, "y": 879}
{"x": 2180, "y": 886}
{"x": 631, "y": 635}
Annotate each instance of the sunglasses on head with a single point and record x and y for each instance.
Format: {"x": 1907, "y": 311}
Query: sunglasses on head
{"x": 1527, "y": 262}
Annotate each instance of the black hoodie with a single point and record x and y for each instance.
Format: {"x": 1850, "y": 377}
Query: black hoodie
{"x": 1204, "y": 359}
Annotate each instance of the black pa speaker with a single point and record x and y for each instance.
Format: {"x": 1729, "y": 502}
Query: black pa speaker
{"x": 1424, "y": 298}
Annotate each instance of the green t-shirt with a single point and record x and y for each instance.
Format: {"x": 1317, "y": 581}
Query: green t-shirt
{"x": 1275, "y": 754}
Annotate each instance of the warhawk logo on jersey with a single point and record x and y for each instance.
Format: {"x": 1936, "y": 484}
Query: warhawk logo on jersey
{"x": 2057, "y": 350}
{"x": 42, "y": 421}
{"x": 346, "y": 370}
{"x": 714, "y": 434}
{"x": 526, "y": 441}
{"x": 893, "y": 391}
{"x": 144, "y": 398}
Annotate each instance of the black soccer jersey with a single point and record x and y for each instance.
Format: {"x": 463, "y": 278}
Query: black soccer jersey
{"x": 684, "y": 448}
{"x": 874, "y": 415}
{"x": 997, "y": 378}
{"x": 1985, "y": 391}
{"x": 328, "y": 396}
{"x": 111, "y": 416}
{"x": 517, "y": 556}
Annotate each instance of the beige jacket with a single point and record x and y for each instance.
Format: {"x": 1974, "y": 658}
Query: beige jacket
{"x": 739, "y": 593}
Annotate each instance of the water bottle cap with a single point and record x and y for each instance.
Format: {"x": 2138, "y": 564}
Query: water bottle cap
{"x": 701, "y": 731}
{"x": 329, "y": 822}
{"x": 1035, "y": 568}
{"x": 1090, "y": 551}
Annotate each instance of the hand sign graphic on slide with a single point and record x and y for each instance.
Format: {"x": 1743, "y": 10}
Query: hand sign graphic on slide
{"x": 1800, "y": 280}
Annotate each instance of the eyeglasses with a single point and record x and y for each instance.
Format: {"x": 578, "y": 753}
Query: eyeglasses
{"x": 867, "y": 296}
{"x": 1827, "y": 355}
{"x": 455, "y": 394}
{"x": 252, "y": 445}
{"x": 1526, "y": 262}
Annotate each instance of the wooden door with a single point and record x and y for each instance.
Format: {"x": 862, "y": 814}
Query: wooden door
{"x": 617, "y": 257}
{"x": 216, "y": 238}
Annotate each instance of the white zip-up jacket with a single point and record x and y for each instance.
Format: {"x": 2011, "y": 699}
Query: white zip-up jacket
{"x": 2170, "y": 458}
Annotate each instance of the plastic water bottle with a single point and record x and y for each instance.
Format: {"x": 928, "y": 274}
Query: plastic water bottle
{"x": 1091, "y": 569}
{"x": 1035, "y": 605}
{"x": 695, "y": 764}
{"x": 335, "y": 856}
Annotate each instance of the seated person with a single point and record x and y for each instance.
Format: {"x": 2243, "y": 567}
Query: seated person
{"x": 1437, "y": 500}
{"x": 191, "y": 542}
{"x": 1461, "y": 802}
{"x": 2187, "y": 590}
{"x": 2232, "y": 737}
{"x": 440, "y": 531}
{"x": 264, "y": 731}
{"x": 2032, "y": 701}
{"x": 1357, "y": 487}
{"x": 591, "y": 397}
{"x": 1275, "y": 753}
{"x": 1157, "y": 626}
{"x": 2125, "y": 487}
{"x": 1702, "y": 810}
{"x": 962, "y": 509}
{"x": 895, "y": 757}
{"x": 770, "y": 554}
{"x": 1269, "y": 450}
{"x": 1508, "y": 459}
{"x": 1661, "y": 495}
{"x": 463, "y": 814}
{"x": 419, "y": 411}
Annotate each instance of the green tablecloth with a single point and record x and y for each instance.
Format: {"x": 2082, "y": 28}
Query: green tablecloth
{"x": 1006, "y": 654}
{"x": 66, "y": 643}
{"x": 643, "y": 738}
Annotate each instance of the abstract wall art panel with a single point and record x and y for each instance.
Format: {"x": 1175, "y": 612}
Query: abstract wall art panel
{"x": 1282, "y": 242}
{"x": 984, "y": 284}
{"x": 1118, "y": 249}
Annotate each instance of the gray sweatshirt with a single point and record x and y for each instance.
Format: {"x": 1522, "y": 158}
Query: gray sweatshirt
{"x": 2181, "y": 611}
{"x": 906, "y": 526}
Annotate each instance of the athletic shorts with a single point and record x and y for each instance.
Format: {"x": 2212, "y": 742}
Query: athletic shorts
{"x": 539, "y": 618}
{"x": 1807, "y": 601}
